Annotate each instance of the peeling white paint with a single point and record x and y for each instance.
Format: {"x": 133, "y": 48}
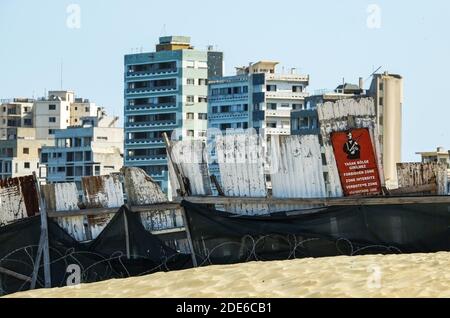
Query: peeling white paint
{"x": 191, "y": 158}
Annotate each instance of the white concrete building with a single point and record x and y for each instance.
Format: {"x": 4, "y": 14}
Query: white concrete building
{"x": 93, "y": 148}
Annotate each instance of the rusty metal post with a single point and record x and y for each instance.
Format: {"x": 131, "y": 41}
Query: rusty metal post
{"x": 43, "y": 242}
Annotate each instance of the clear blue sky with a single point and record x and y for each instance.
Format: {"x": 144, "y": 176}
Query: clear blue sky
{"x": 327, "y": 39}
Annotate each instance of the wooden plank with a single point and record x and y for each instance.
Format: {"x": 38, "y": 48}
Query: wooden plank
{"x": 392, "y": 200}
{"x": 100, "y": 211}
{"x": 14, "y": 274}
{"x": 44, "y": 233}
{"x": 415, "y": 189}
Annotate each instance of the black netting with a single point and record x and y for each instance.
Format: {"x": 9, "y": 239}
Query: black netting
{"x": 105, "y": 257}
{"x": 223, "y": 238}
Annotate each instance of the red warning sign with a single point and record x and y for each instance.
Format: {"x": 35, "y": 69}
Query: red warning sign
{"x": 356, "y": 162}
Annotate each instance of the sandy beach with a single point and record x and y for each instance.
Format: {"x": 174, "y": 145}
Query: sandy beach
{"x": 415, "y": 275}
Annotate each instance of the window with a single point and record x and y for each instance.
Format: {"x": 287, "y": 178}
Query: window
{"x": 27, "y": 122}
{"x": 202, "y": 99}
{"x": 44, "y": 158}
{"x": 381, "y": 101}
{"x": 190, "y": 133}
{"x": 245, "y": 89}
{"x": 203, "y": 116}
{"x": 26, "y": 151}
{"x": 26, "y": 109}
{"x": 52, "y": 119}
{"x": 381, "y": 87}
{"x": 202, "y": 81}
{"x": 271, "y": 88}
{"x": 304, "y": 122}
{"x": 87, "y": 109}
{"x": 190, "y": 81}
{"x": 202, "y": 133}
{"x": 297, "y": 88}
{"x": 245, "y": 107}
{"x": 214, "y": 109}
{"x": 51, "y": 131}
{"x": 272, "y": 125}
{"x": 76, "y": 108}
{"x": 51, "y": 107}
{"x": 215, "y": 92}
{"x": 285, "y": 105}
{"x": 190, "y": 99}
{"x": 245, "y": 125}
{"x": 26, "y": 165}
{"x": 61, "y": 169}
{"x": 225, "y": 109}
{"x": 189, "y": 115}
{"x": 297, "y": 106}
{"x": 272, "y": 106}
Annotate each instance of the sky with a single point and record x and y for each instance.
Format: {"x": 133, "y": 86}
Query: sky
{"x": 329, "y": 40}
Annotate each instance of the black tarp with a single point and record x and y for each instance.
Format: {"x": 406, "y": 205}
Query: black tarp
{"x": 104, "y": 258}
{"x": 223, "y": 238}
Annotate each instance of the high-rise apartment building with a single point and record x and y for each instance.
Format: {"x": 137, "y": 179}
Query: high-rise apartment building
{"x": 256, "y": 97}
{"x": 166, "y": 91}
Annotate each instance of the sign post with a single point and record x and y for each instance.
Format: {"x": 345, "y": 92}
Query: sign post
{"x": 356, "y": 162}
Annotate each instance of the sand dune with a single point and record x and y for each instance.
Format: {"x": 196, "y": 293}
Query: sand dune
{"x": 416, "y": 275}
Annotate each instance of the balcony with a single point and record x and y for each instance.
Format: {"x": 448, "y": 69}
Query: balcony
{"x": 277, "y": 131}
{"x": 278, "y": 113}
{"x": 146, "y": 107}
{"x": 146, "y": 158}
{"x": 143, "y": 90}
{"x": 150, "y": 141}
{"x": 288, "y": 77}
{"x": 160, "y": 123}
{"x": 228, "y": 115}
{"x": 136, "y": 74}
{"x": 286, "y": 95}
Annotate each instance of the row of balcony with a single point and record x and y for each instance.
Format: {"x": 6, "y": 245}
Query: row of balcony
{"x": 152, "y": 72}
{"x": 144, "y": 90}
{"x": 150, "y": 141}
{"x": 151, "y": 106}
{"x": 161, "y": 123}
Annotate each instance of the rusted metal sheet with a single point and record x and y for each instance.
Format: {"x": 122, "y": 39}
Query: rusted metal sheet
{"x": 75, "y": 226}
{"x": 18, "y": 199}
{"x": 162, "y": 220}
{"x": 241, "y": 164}
{"x": 296, "y": 170}
{"x": 61, "y": 196}
{"x": 140, "y": 188}
{"x": 103, "y": 191}
{"x": 343, "y": 115}
{"x": 412, "y": 175}
{"x": 97, "y": 223}
{"x": 190, "y": 156}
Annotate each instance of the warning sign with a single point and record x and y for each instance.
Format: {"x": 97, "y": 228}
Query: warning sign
{"x": 356, "y": 163}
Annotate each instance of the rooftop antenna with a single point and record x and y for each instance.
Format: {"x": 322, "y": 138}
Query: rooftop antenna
{"x": 61, "y": 74}
{"x": 163, "y": 30}
{"x": 373, "y": 73}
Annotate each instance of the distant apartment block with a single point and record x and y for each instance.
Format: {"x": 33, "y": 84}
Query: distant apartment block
{"x": 19, "y": 155}
{"x": 305, "y": 122}
{"x": 60, "y": 110}
{"x": 387, "y": 91}
{"x": 256, "y": 97}
{"x": 166, "y": 91}
{"x": 92, "y": 148}
{"x": 17, "y": 112}
{"x": 27, "y": 124}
